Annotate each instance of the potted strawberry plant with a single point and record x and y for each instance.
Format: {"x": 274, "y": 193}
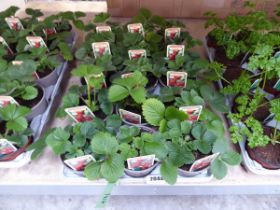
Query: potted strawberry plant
{"x": 188, "y": 141}
{"x": 139, "y": 147}
{"x": 15, "y": 132}
{"x": 129, "y": 93}
{"x": 18, "y": 81}
{"x": 93, "y": 94}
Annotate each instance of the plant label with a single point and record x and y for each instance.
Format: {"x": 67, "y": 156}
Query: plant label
{"x": 5, "y": 44}
{"x": 135, "y": 54}
{"x": 97, "y": 76}
{"x": 14, "y": 23}
{"x": 100, "y": 49}
{"x": 255, "y": 84}
{"x": 193, "y": 112}
{"x": 277, "y": 85}
{"x": 130, "y": 116}
{"x": 79, "y": 163}
{"x": 80, "y": 113}
{"x": 203, "y": 162}
{"x": 176, "y": 79}
{"x": 49, "y": 31}
{"x": 126, "y": 75}
{"x": 100, "y": 29}
{"x": 6, "y": 147}
{"x": 172, "y": 33}
{"x": 174, "y": 50}
{"x": 18, "y": 63}
{"x": 7, "y": 100}
{"x": 140, "y": 163}
{"x": 36, "y": 41}
{"x": 135, "y": 28}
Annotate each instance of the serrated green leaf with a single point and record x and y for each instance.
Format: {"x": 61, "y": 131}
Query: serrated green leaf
{"x": 104, "y": 143}
{"x": 168, "y": 172}
{"x": 153, "y": 111}
{"x": 112, "y": 168}
{"x": 231, "y": 158}
{"x": 218, "y": 168}
{"x": 30, "y": 93}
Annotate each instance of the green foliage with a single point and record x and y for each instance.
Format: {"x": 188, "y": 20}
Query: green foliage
{"x": 133, "y": 86}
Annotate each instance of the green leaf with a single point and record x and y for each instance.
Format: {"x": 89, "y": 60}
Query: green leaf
{"x": 203, "y": 146}
{"x": 112, "y": 168}
{"x": 93, "y": 171}
{"x": 174, "y": 113}
{"x": 58, "y": 141}
{"x": 218, "y": 168}
{"x": 215, "y": 99}
{"x": 156, "y": 148}
{"x": 87, "y": 70}
{"x": 101, "y": 17}
{"x": 138, "y": 94}
{"x": 30, "y": 93}
{"x": 117, "y": 93}
{"x": 168, "y": 172}
{"x": 220, "y": 146}
{"x": 18, "y": 124}
{"x": 186, "y": 127}
{"x": 153, "y": 111}
{"x": 231, "y": 158}
{"x": 104, "y": 143}
{"x": 65, "y": 51}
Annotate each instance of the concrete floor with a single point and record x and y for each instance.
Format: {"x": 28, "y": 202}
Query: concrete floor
{"x": 255, "y": 202}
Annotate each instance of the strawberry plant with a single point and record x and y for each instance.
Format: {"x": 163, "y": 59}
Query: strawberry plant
{"x": 18, "y": 80}
{"x": 131, "y": 87}
{"x": 14, "y": 126}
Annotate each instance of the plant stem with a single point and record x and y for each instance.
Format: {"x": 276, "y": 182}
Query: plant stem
{"x": 265, "y": 76}
{"x": 89, "y": 96}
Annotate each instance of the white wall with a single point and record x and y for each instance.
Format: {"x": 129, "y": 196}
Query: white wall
{"x": 4, "y": 4}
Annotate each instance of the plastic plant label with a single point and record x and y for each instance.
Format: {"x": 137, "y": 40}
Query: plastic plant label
{"x": 277, "y": 85}
{"x": 176, "y": 79}
{"x": 255, "y": 84}
{"x": 140, "y": 163}
{"x": 130, "y": 116}
{"x": 126, "y": 75}
{"x": 174, "y": 50}
{"x": 135, "y": 28}
{"x": 203, "y": 162}
{"x": 18, "y": 63}
{"x": 106, "y": 194}
{"x": 104, "y": 85}
{"x": 100, "y": 29}
{"x": 5, "y": 44}
{"x": 6, "y": 100}
{"x": 49, "y": 31}
{"x": 135, "y": 54}
{"x": 80, "y": 113}
{"x": 6, "y": 147}
{"x": 193, "y": 112}
{"x": 100, "y": 49}
{"x": 14, "y": 23}
{"x": 79, "y": 163}
{"x": 172, "y": 33}
{"x": 36, "y": 41}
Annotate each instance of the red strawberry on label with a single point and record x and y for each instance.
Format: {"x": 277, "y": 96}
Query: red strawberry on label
{"x": 136, "y": 56}
{"x": 36, "y": 44}
{"x": 172, "y": 35}
{"x": 136, "y": 30}
{"x": 6, "y": 151}
{"x": 101, "y": 50}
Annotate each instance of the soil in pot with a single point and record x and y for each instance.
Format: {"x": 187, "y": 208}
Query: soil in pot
{"x": 260, "y": 114}
{"x": 269, "y": 155}
{"x": 44, "y": 73}
{"x": 269, "y": 87}
{"x": 32, "y": 103}
{"x": 152, "y": 81}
